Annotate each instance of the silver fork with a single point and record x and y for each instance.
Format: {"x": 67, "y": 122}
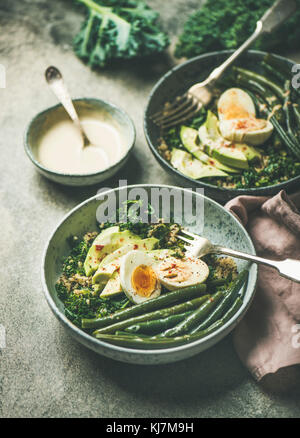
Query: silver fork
{"x": 186, "y": 106}
{"x": 200, "y": 246}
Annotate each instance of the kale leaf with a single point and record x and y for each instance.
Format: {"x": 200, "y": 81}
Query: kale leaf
{"x": 118, "y": 29}
{"x": 226, "y": 24}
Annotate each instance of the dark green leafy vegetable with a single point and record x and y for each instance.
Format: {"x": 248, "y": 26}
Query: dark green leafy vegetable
{"x": 118, "y": 29}
{"x": 87, "y": 304}
{"x": 232, "y": 22}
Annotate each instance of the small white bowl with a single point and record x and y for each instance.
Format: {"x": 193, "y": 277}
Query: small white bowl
{"x": 37, "y": 128}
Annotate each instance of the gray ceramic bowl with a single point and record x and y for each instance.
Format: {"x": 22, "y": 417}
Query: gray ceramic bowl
{"x": 177, "y": 81}
{"x": 84, "y": 106}
{"x": 218, "y": 225}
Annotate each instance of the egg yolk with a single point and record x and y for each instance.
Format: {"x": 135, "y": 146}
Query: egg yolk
{"x": 234, "y": 111}
{"x": 143, "y": 280}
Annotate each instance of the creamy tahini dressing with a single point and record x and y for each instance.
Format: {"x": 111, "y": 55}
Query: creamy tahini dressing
{"x": 61, "y": 147}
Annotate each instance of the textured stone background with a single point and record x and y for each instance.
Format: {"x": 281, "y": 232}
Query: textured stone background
{"x": 43, "y": 372}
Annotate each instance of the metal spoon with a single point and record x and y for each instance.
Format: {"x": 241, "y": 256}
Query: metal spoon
{"x": 55, "y": 81}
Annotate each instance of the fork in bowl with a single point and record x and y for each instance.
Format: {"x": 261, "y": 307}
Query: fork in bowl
{"x": 197, "y": 246}
{"x": 186, "y": 106}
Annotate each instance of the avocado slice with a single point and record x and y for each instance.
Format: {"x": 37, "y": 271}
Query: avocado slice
{"x": 190, "y": 139}
{"x": 210, "y": 131}
{"x": 252, "y": 154}
{"x": 98, "y": 250}
{"x": 231, "y": 156}
{"x": 219, "y": 148}
{"x": 113, "y": 286}
{"x": 104, "y": 245}
{"x": 191, "y": 167}
{"x": 111, "y": 262}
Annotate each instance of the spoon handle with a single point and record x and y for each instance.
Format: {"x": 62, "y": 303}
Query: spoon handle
{"x": 55, "y": 81}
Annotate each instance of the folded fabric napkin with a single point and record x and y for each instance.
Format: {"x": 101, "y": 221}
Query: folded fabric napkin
{"x": 268, "y": 337}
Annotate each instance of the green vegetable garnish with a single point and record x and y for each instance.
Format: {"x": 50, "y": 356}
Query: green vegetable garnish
{"x": 116, "y": 29}
{"x": 232, "y": 22}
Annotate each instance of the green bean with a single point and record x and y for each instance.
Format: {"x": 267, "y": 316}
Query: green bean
{"x": 289, "y": 111}
{"x": 275, "y": 73}
{"x": 296, "y": 113}
{"x": 155, "y": 342}
{"x": 276, "y": 64}
{"x": 261, "y": 80}
{"x": 156, "y": 303}
{"x": 216, "y": 282}
{"x": 290, "y": 144}
{"x": 157, "y": 314}
{"x": 274, "y": 104}
{"x": 225, "y": 303}
{"x": 195, "y": 318}
{"x": 233, "y": 309}
{"x": 279, "y": 69}
{"x": 122, "y": 333}
{"x": 132, "y": 341}
{"x": 157, "y": 325}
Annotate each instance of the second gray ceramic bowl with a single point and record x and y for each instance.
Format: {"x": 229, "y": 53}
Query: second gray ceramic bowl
{"x": 84, "y": 106}
{"x": 177, "y": 81}
{"x": 218, "y": 225}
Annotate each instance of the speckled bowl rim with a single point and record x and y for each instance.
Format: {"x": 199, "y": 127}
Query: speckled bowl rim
{"x": 160, "y": 352}
{"x": 130, "y": 145}
{"x": 252, "y": 190}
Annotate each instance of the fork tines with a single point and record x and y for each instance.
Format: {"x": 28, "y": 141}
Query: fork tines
{"x": 182, "y": 109}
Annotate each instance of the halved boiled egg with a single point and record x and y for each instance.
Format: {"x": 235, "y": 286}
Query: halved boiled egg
{"x": 176, "y": 273}
{"x": 238, "y": 122}
{"x": 138, "y": 278}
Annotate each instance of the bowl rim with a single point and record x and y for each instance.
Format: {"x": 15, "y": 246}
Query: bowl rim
{"x": 28, "y": 148}
{"x": 202, "y": 183}
{"x": 134, "y": 351}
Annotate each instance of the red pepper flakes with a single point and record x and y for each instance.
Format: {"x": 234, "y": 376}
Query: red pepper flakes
{"x": 242, "y": 124}
{"x": 135, "y": 246}
{"x": 99, "y": 247}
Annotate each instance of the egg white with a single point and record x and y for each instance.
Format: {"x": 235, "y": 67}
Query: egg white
{"x": 190, "y": 271}
{"x": 129, "y": 263}
{"x": 238, "y": 122}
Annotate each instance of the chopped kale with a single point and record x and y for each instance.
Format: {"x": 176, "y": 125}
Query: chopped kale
{"x": 226, "y": 24}
{"x": 116, "y": 29}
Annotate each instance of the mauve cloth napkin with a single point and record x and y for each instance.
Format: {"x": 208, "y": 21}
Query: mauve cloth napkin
{"x": 268, "y": 337}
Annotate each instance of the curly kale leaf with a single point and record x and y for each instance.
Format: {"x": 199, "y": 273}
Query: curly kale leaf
{"x": 118, "y": 29}
{"x": 226, "y": 24}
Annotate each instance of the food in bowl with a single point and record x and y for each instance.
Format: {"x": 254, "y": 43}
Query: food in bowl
{"x": 249, "y": 137}
{"x": 54, "y": 146}
{"x": 134, "y": 285}
{"x": 60, "y": 147}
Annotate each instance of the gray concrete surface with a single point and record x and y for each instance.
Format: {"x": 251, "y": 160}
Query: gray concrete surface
{"x": 43, "y": 372}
